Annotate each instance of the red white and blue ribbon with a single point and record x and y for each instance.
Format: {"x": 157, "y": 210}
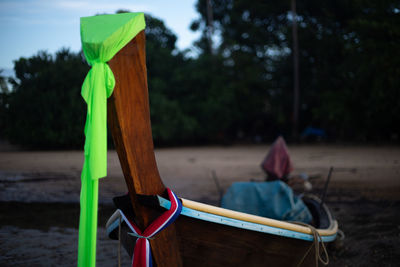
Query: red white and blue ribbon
{"x": 142, "y": 252}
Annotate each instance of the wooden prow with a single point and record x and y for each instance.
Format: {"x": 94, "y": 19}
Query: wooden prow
{"x": 129, "y": 122}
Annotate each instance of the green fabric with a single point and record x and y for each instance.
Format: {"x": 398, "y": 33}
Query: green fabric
{"x": 102, "y": 37}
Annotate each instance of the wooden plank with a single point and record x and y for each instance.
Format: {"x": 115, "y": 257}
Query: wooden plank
{"x": 129, "y": 122}
{"x": 249, "y": 225}
{"x": 256, "y": 219}
{"x": 229, "y": 246}
{"x": 204, "y": 243}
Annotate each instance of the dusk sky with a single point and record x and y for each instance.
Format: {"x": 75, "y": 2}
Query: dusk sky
{"x": 27, "y": 26}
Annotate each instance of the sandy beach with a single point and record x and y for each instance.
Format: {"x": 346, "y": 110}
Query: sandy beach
{"x": 39, "y": 197}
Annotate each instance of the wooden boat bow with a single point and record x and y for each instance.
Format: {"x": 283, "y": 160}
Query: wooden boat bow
{"x": 189, "y": 241}
{"x": 129, "y": 122}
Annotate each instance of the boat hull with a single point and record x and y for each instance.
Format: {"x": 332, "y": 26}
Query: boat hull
{"x": 203, "y": 243}
{"x": 210, "y": 239}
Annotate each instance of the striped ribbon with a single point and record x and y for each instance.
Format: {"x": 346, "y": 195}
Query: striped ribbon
{"x": 142, "y": 252}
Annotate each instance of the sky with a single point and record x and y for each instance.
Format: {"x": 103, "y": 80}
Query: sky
{"x": 27, "y": 26}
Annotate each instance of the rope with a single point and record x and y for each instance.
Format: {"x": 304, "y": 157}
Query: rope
{"x": 119, "y": 241}
{"x": 317, "y": 242}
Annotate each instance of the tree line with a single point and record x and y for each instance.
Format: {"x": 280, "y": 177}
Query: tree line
{"x": 239, "y": 86}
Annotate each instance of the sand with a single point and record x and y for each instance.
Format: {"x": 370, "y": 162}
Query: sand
{"x": 39, "y": 197}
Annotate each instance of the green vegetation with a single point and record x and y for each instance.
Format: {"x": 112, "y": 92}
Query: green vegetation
{"x": 241, "y": 88}
{"x": 44, "y": 110}
{"x": 349, "y": 65}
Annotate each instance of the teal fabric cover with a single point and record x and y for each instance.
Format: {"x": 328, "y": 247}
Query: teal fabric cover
{"x": 273, "y": 200}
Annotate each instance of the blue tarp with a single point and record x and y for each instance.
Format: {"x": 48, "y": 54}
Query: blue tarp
{"x": 273, "y": 200}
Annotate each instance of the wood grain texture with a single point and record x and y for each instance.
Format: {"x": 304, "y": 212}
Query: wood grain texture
{"x": 209, "y": 244}
{"x": 129, "y": 122}
{"x": 220, "y": 245}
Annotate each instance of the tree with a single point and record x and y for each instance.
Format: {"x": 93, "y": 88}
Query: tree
{"x": 3, "y": 83}
{"x": 45, "y": 108}
{"x": 348, "y": 62}
{"x": 248, "y": 47}
{"x": 4, "y": 94}
{"x": 166, "y": 69}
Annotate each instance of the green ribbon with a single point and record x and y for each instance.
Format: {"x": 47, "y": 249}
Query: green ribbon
{"x": 102, "y": 37}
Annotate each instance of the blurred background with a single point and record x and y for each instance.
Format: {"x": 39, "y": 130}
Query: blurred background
{"x": 248, "y": 72}
{"x": 225, "y": 78}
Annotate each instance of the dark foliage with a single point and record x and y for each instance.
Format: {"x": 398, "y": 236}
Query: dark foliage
{"x": 241, "y": 88}
{"x": 349, "y": 63}
{"x": 45, "y": 109}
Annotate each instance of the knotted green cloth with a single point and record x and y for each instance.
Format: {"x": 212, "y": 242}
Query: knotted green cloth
{"x": 102, "y": 37}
